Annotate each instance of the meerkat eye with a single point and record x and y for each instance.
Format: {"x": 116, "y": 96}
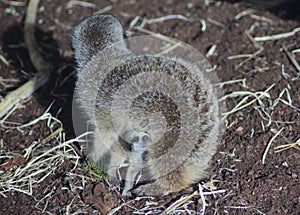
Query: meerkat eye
{"x": 145, "y": 137}
{"x": 135, "y": 140}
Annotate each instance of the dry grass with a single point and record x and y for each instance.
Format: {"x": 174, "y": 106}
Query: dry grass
{"x": 41, "y": 158}
{"x": 24, "y": 172}
{"x": 15, "y": 97}
{"x": 21, "y": 173}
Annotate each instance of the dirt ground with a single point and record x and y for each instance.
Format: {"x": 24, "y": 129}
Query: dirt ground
{"x": 249, "y": 175}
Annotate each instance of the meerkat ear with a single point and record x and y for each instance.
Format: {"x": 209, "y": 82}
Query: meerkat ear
{"x": 94, "y": 34}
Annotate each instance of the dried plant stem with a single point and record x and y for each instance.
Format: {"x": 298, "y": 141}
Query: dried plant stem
{"x": 14, "y": 3}
{"x": 72, "y": 3}
{"x": 42, "y": 67}
{"x": 292, "y": 58}
{"x": 260, "y": 49}
{"x": 295, "y": 145}
{"x": 269, "y": 145}
{"x": 241, "y": 105}
{"x": 179, "y": 202}
{"x": 278, "y": 36}
{"x": 35, "y": 56}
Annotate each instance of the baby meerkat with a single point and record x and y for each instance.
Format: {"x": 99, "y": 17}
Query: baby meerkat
{"x": 131, "y": 150}
{"x": 177, "y": 91}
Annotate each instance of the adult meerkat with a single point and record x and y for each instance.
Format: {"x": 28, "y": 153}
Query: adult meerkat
{"x": 178, "y": 92}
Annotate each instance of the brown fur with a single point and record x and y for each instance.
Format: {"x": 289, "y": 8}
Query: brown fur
{"x": 174, "y": 163}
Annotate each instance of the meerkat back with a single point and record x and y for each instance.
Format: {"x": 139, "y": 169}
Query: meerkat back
{"x": 90, "y": 37}
{"x": 119, "y": 90}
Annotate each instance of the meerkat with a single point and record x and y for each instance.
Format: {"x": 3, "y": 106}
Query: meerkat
{"x": 131, "y": 153}
{"x": 179, "y": 91}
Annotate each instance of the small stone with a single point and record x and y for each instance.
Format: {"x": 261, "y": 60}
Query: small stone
{"x": 240, "y": 129}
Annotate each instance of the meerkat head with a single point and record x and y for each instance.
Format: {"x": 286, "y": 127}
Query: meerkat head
{"x": 140, "y": 142}
{"x": 94, "y": 34}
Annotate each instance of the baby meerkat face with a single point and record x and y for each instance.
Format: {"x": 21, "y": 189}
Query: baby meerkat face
{"x": 139, "y": 142}
{"x": 140, "y": 138}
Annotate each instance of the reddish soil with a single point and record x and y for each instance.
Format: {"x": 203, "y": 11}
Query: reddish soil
{"x": 251, "y": 187}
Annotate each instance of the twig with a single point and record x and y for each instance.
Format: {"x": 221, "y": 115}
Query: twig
{"x": 170, "y": 49}
{"x": 239, "y": 56}
{"x": 104, "y": 10}
{"x": 260, "y": 49}
{"x": 288, "y": 146}
{"x": 289, "y": 101}
{"x": 240, "y": 105}
{"x": 71, "y": 3}
{"x": 211, "y": 51}
{"x": 14, "y": 3}
{"x": 179, "y": 202}
{"x": 157, "y": 35}
{"x": 168, "y": 17}
{"x": 46, "y": 140}
{"x": 278, "y": 36}
{"x": 157, "y": 20}
{"x": 221, "y": 84}
{"x": 22, "y": 92}
{"x": 3, "y": 59}
{"x": 39, "y": 63}
{"x": 292, "y": 58}
{"x": 296, "y": 51}
{"x": 184, "y": 199}
{"x": 244, "y": 13}
{"x": 214, "y": 22}
{"x": 203, "y": 200}
{"x": 269, "y": 145}
{"x": 35, "y": 56}
{"x": 261, "y": 18}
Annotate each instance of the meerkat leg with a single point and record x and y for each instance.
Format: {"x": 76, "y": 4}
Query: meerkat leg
{"x": 118, "y": 159}
{"x": 101, "y": 145}
{"x": 131, "y": 174}
{"x": 116, "y": 163}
